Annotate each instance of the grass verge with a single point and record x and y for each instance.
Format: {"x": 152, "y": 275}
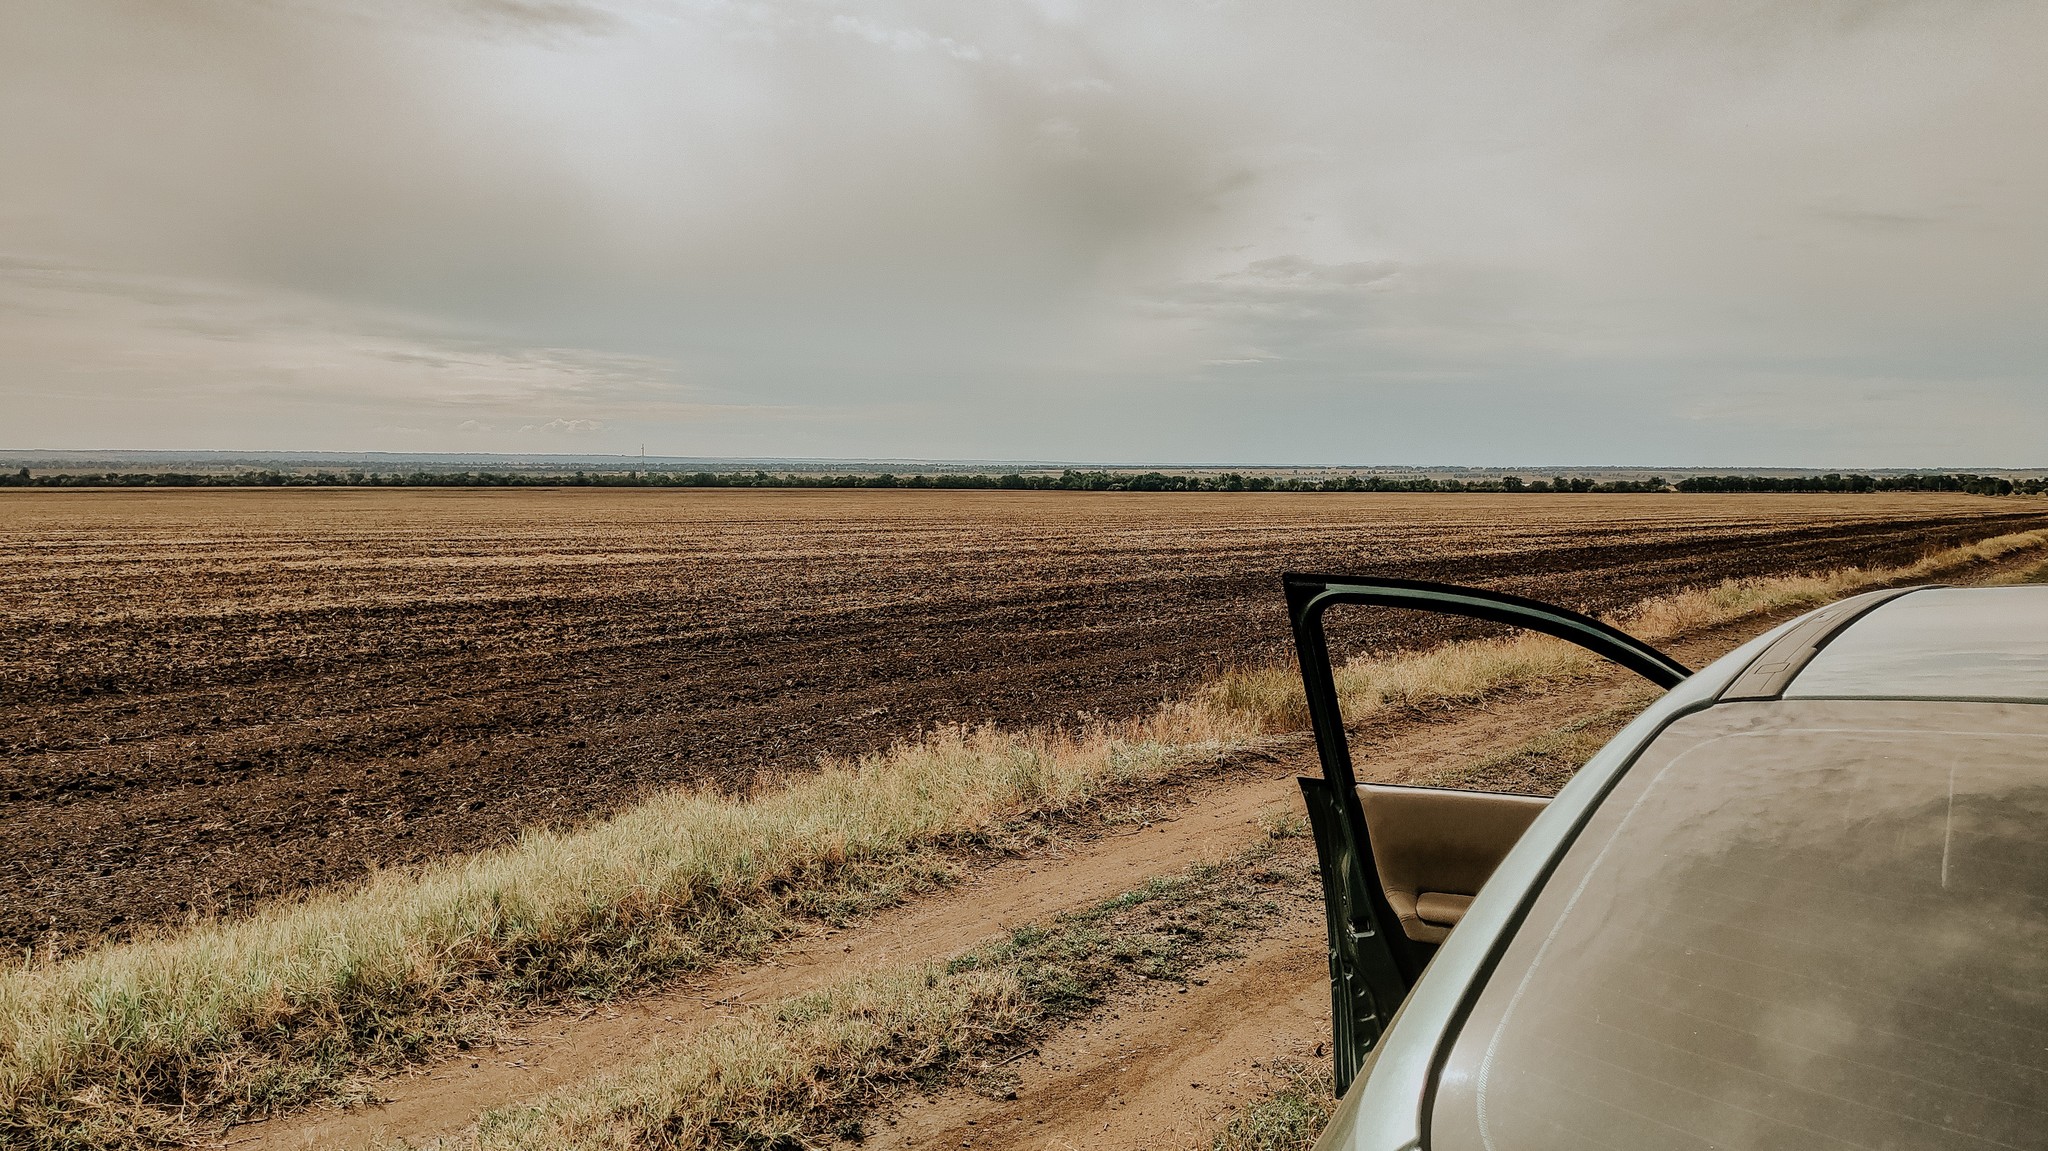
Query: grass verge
{"x": 132, "y": 1044}
{"x": 808, "y": 1069}
{"x": 145, "y": 1042}
{"x": 2038, "y": 573}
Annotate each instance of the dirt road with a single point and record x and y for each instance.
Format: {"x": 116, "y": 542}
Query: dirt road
{"x": 1149, "y": 1072}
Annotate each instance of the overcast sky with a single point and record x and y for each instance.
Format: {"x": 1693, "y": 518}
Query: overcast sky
{"x": 1793, "y": 232}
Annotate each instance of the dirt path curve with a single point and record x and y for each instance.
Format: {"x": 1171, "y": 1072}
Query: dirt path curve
{"x": 557, "y": 1051}
{"x": 1158, "y": 1080}
{"x": 1213, "y": 821}
{"x": 1164, "y": 1071}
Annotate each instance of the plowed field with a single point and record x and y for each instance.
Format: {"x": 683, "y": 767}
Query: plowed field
{"x": 210, "y": 697}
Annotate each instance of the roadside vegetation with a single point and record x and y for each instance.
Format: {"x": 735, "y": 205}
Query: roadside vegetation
{"x": 812, "y": 1068}
{"x": 1542, "y": 763}
{"x": 1290, "y": 1116}
{"x": 238, "y": 1019}
{"x": 153, "y": 1039}
{"x": 2036, "y": 574}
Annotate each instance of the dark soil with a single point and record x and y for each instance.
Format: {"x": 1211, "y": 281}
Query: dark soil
{"x": 210, "y": 698}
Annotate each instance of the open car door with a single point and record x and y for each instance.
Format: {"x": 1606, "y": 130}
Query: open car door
{"x": 1399, "y": 863}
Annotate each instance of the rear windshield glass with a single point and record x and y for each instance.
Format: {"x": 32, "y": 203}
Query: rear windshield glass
{"x": 1947, "y": 643}
{"x": 1801, "y": 925}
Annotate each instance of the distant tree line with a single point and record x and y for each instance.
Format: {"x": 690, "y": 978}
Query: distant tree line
{"x": 1069, "y": 481}
{"x": 1835, "y": 482}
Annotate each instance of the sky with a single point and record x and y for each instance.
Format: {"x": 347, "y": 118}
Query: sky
{"x": 1712, "y": 233}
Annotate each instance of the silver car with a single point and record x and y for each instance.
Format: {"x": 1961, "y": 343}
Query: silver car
{"x": 1801, "y": 902}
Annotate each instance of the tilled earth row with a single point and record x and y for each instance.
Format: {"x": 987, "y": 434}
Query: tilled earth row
{"x": 208, "y": 698}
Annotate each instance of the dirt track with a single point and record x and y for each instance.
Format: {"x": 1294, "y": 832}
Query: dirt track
{"x": 211, "y": 697}
{"x": 1162, "y": 1071}
{"x": 1146, "y": 1072}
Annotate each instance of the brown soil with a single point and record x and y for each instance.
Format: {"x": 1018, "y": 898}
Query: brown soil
{"x": 1161, "y": 1071}
{"x": 211, "y": 697}
{"x": 1155, "y": 1070}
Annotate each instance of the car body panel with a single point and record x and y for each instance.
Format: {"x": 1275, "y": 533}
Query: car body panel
{"x": 1958, "y": 645}
{"x": 1788, "y": 917}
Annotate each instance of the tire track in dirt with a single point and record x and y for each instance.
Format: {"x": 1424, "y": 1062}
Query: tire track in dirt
{"x": 550, "y": 1053}
{"x": 1160, "y": 1070}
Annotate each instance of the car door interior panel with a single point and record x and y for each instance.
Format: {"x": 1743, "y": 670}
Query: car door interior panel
{"x": 1434, "y": 847}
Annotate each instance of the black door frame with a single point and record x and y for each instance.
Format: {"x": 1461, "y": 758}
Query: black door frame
{"x": 1373, "y": 963}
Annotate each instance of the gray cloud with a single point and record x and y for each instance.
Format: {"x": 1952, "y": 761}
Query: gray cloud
{"x": 1308, "y": 231}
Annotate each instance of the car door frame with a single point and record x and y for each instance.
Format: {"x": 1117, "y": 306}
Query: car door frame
{"x": 1373, "y": 963}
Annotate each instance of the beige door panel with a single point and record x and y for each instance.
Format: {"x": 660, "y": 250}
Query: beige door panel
{"x": 1435, "y": 847}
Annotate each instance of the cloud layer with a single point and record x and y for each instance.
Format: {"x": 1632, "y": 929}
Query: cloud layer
{"x": 1699, "y": 232}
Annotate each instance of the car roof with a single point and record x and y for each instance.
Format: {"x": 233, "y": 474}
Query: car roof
{"x": 1937, "y": 643}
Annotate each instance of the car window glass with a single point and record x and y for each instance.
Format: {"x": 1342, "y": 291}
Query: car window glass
{"x": 1793, "y": 925}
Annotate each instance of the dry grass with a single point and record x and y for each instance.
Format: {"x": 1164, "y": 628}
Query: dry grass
{"x": 146, "y": 1039}
{"x": 2038, "y": 573}
{"x": 231, "y": 1019}
{"x": 1290, "y": 1116}
{"x": 1544, "y": 762}
{"x": 1669, "y": 616}
{"x": 804, "y": 1071}
{"x": 775, "y": 1076}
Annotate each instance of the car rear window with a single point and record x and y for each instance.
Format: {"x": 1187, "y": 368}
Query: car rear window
{"x": 1817, "y": 924}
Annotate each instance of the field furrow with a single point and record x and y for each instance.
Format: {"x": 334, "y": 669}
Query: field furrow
{"x": 208, "y": 698}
